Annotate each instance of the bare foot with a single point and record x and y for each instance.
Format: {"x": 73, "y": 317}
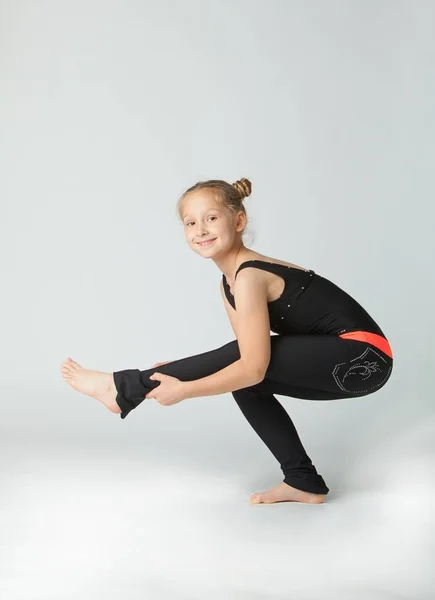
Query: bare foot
{"x": 96, "y": 384}
{"x": 286, "y": 493}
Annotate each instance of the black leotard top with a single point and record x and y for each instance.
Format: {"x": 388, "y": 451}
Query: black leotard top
{"x": 310, "y": 303}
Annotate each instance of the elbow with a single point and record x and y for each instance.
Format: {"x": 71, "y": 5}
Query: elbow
{"x": 256, "y": 374}
{"x": 261, "y": 374}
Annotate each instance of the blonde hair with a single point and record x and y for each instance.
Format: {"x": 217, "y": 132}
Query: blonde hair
{"x": 230, "y": 195}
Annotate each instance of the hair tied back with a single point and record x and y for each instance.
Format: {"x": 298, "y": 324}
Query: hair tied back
{"x": 243, "y": 186}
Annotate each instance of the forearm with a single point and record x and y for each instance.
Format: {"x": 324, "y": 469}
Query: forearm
{"x": 234, "y": 377}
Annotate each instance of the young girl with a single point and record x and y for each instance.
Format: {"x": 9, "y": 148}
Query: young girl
{"x": 327, "y": 346}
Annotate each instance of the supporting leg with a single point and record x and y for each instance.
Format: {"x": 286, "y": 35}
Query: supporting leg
{"x": 273, "y": 425}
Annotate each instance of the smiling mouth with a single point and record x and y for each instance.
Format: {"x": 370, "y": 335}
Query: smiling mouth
{"x": 207, "y": 243}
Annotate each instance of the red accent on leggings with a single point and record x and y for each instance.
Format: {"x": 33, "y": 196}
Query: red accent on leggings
{"x": 371, "y": 338}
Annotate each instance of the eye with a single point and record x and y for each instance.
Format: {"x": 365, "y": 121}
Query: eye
{"x": 210, "y": 217}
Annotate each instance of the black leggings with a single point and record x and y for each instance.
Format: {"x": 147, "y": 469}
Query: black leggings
{"x": 311, "y": 367}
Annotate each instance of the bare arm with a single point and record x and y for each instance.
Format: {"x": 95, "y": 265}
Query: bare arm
{"x": 252, "y": 328}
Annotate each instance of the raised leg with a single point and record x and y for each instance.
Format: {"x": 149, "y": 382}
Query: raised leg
{"x": 133, "y": 385}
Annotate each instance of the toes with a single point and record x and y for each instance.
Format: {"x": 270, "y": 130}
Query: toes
{"x": 70, "y": 362}
{"x": 70, "y": 366}
{"x": 67, "y": 372}
{"x": 256, "y": 498}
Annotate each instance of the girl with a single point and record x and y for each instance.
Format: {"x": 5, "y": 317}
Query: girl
{"x": 327, "y": 346}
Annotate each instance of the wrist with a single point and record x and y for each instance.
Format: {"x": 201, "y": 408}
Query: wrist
{"x": 187, "y": 389}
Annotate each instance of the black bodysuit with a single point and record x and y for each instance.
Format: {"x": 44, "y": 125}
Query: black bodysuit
{"x": 328, "y": 347}
{"x": 309, "y": 303}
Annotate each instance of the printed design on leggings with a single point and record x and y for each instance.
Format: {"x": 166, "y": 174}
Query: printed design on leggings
{"x": 370, "y": 365}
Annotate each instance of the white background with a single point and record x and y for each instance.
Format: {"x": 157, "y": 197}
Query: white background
{"x": 108, "y": 112}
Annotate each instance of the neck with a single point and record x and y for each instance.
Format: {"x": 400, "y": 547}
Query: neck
{"x": 229, "y": 263}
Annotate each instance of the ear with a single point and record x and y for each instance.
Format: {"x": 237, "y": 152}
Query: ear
{"x": 241, "y": 221}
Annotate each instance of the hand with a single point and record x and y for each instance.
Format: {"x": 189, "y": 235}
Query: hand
{"x": 170, "y": 391}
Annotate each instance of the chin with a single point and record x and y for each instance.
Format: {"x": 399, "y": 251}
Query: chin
{"x": 206, "y": 254}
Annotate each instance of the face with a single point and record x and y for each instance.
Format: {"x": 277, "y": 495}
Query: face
{"x": 204, "y": 219}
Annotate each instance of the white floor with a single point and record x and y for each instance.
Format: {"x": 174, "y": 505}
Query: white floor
{"x": 91, "y": 522}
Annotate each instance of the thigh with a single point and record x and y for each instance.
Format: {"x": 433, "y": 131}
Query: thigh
{"x": 323, "y": 367}
{"x": 319, "y": 367}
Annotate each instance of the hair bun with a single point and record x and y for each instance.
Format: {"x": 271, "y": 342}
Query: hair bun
{"x": 243, "y": 186}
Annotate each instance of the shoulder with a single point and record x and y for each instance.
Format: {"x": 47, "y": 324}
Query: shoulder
{"x": 251, "y": 282}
